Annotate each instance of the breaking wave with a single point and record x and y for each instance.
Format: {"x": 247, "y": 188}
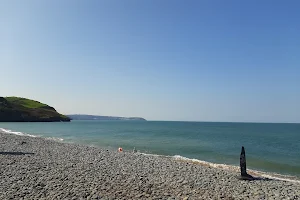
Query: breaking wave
{"x": 237, "y": 169}
{"x": 232, "y": 168}
{"x": 7, "y": 131}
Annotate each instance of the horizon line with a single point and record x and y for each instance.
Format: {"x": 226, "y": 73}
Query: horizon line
{"x": 203, "y": 121}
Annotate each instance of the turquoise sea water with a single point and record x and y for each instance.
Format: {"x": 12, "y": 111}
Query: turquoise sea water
{"x": 269, "y": 147}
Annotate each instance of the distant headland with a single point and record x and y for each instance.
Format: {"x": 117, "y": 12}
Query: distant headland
{"x": 97, "y": 117}
{"x": 17, "y": 109}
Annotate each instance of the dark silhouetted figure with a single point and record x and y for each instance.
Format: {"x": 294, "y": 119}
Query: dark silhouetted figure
{"x": 244, "y": 175}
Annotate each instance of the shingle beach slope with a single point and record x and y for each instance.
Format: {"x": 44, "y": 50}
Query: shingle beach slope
{"x": 67, "y": 171}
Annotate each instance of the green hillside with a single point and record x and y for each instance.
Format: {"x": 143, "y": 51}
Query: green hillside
{"x": 17, "y": 109}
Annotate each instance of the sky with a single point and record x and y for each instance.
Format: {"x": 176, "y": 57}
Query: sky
{"x": 208, "y": 60}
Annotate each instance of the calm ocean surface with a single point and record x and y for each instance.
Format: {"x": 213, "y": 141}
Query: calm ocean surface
{"x": 269, "y": 147}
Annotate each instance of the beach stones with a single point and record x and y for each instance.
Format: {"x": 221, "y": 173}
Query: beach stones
{"x": 70, "y": 171}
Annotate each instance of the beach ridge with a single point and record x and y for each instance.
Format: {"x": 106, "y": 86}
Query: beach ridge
{"x": 37, "y": 168}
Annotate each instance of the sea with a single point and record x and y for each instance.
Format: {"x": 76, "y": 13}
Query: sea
{"x": 271, "y": 148}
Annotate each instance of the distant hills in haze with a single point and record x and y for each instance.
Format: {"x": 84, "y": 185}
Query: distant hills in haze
{"x": 18, "y": 109}
{"x": 97, "y": 117}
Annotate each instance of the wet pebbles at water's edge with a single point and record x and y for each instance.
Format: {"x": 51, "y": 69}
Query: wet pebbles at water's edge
{"x": 36, "y": 168}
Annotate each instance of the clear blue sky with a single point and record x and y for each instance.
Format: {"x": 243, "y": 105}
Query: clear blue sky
{"x": 202, "y": 60}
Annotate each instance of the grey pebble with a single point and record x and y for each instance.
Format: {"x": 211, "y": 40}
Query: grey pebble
{"x": 58, "y": 170}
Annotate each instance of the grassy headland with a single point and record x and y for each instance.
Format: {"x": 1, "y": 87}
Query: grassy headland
{"x": 17, "y": 109}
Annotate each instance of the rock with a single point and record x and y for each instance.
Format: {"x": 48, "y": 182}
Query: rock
{"x": 243, "y": 167}
{"x": 69, "y": 175}
{"x": 139, "y": 195}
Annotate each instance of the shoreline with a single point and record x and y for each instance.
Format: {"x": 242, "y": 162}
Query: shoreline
{"x": 230, "y": 167}
{"x": 34, "y": 167}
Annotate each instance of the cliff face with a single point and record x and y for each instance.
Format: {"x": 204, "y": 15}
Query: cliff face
{"x": 15, "y": 109}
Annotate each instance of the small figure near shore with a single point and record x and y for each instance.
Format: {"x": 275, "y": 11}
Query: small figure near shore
{"x": 120, "y": 149}
{"x": 134, "y": 150}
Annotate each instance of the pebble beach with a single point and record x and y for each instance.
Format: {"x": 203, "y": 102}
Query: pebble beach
{"x": 39, "y": 168}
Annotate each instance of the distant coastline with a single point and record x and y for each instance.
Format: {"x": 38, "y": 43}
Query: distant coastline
{"x": 98, "y": 117}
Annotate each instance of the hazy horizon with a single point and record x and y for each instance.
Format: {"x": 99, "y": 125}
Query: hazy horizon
{"x": 210, "y": 61}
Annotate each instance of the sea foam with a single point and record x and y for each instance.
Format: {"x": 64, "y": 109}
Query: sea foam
{"x": 182, "y": 158}
{"x": 7, "y": 131}
{"x": 233, "y": 168}
{"x": 16, "y": 133}
{"x": 237, "y": 169}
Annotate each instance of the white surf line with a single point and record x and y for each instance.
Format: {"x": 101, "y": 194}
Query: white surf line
{"x": 235, "y": 168}
{"x": 7, "y": 131}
